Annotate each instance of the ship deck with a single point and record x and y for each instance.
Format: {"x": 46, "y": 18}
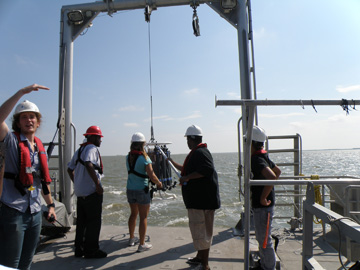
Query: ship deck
{"x": 171, "y": 248}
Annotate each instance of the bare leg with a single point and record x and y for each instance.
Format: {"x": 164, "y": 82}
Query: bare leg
{"x": 143, "y": 212}
{"x": 204, "y": 256}
{"x": 132, "y": 219}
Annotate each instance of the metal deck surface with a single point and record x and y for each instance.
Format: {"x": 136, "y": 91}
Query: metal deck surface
{"x": 171, "y": 248}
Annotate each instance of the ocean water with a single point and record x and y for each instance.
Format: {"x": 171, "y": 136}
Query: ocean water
{"x": 167, "y": 209}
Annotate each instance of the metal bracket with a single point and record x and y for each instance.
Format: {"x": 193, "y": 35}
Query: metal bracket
{"x": 150, "y": 6}
{"x": 110, "y": 11}
{"x": 62, "y": 126}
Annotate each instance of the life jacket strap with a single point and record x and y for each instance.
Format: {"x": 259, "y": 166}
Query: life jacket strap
{"x": 18, "y": 185}
{"x": 132, "y": 168}
{"x": 96, "y": 167}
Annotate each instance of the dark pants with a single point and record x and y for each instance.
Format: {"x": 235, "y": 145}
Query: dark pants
{"x": 88, "y": 222}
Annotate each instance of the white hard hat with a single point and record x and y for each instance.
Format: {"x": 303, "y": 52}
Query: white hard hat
{"x": 138, "y": 137}
{"x": 26, "y": 106}
{"x": 193, "y": 130}
{"x": 258, "y": 134}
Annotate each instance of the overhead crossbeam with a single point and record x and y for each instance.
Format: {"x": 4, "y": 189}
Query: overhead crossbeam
{"x": 91, "y": 10}
{"x": 130, "y": 4}
{"x": 266, "y": 102}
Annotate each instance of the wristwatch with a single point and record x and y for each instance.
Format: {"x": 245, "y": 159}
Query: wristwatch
{"x": 51, "y": 205}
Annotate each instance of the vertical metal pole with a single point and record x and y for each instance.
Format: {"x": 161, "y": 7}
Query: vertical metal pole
{"x": 244, "y": 62}
{"x": 247, "y": 172}
{"x": 308, "y": 226}
{"x": 247, "y": 115}
{"x": 68, "y": 80}
{"x": 297, "y": 188}
{"x": 61, "y": 91}
{"x": 347, "y": 214}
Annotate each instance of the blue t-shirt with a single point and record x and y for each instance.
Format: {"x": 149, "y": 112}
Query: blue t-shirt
{"x": 135, "y": 182}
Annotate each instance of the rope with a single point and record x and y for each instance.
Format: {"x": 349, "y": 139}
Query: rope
{"x": 318, "y": 200}
{"x": 345, "y": 106}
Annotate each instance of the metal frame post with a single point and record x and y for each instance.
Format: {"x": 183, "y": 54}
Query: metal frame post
{"x": 244, "y": 60}
{"x": 308, "y": 226}
{"x": 65, "y": 138}
{"x": 247, "y": 172}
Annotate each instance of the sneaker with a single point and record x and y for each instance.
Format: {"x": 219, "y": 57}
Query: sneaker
{"x": 96, "y": 255}
{"x": 194, "y": 261}
{"x": 258, "y": 267}
{"x": 144, "y": 247}
{"x": 200, "y": 267}
{"x": 133, "y": 241}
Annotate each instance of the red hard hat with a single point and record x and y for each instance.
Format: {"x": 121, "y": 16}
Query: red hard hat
{"x": 93, "y": 130}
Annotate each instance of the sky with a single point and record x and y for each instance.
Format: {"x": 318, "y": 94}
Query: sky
{"x": 303, "y": 50}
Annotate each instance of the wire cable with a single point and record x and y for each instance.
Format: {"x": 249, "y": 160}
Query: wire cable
{"x": 152, "y": 139}
{"x": 333, "y": 221}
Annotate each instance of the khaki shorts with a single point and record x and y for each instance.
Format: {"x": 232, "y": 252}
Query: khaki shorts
{"x": 201, "y": 223}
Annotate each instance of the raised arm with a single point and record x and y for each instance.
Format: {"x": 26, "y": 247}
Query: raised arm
{"x": 9, "y": 104}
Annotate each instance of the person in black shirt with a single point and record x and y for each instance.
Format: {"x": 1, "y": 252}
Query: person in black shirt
{"x": 263, "y": 197}
{"x": 200, "y": 191}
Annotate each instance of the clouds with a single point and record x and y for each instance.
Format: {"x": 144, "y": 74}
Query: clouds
{"x": 192, "y": 115}
{"x": 131, "y": 108}
{"x": 282, "y": 115}
{"x": 348, "y": 89}
{"x": 233, "y": 95}
{"x": 132, "y": 125}
{"x": 126, "y": 109}
{"x": 259, "y": 33}
{"x": 191, "y": 92}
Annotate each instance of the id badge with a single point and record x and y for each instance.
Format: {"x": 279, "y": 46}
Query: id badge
{"x": 34, "y": 193}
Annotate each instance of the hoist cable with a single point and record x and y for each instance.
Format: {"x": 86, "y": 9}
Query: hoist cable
{"x": 151, "y": 103}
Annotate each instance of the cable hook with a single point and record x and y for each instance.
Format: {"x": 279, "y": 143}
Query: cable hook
{"x": 147, "y": 13}
{"x": 195, "y": 20}
{"x": 312, "y": 103}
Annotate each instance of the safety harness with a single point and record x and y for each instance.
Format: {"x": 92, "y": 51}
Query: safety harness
{"x": 25, "y": 178}
{"x": 136, "y": 154}
{"x": 98, "y": 168}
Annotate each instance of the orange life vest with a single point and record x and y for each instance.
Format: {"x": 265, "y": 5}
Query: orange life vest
{"x": 25, "y": 175}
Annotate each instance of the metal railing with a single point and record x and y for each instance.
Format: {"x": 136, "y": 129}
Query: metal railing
{"x": 350, "y": 204}
{"x": 297, "y": 169}
{"x": 348, "y": 227}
